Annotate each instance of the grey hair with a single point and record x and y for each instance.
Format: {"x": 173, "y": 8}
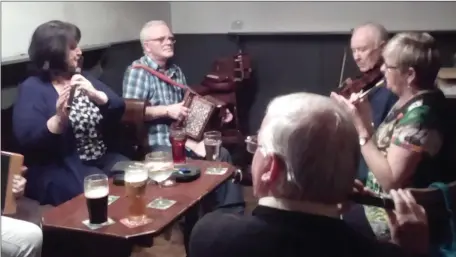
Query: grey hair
{"x": 318, "y": 144}
{"x": 379, "y": 32}
{"x": 415, "y": 50}
{"x": 144, "y": 34}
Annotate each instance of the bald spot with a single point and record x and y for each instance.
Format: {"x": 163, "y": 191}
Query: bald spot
{"x": 370, "y": 33}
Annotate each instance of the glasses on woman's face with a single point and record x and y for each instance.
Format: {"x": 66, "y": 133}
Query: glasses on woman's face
{"x": 391, "y": 67}
{"x": 388, "y": 67}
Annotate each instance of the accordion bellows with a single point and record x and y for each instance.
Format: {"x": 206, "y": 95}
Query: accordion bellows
{"x": 203, "y": 113}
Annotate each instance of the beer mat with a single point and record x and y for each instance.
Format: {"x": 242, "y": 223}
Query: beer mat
{"x": 97, "y": 226}
{"x": 216, "y": 171}
{"x": 133, "y": 224}
{"x": 112, "y": 198}
{"x": 161, "y": 204}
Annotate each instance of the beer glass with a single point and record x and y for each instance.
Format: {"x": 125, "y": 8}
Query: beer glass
{"x": 178, "y": 138}
{"x": 160, "y": 167}
{"x": 96, "y": 190}
{"x": 136, "y": 179}
{"x": 213, "y": 144}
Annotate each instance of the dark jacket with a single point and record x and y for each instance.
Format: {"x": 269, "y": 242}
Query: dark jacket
{"x": 55, "y": 172}
{"x": 278, "y": 233}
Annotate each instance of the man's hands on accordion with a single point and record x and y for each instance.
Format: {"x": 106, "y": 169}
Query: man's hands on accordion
{"x": 177, "y": 111}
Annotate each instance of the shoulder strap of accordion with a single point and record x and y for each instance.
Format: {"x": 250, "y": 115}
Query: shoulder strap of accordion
{"x": 163, "y": 77}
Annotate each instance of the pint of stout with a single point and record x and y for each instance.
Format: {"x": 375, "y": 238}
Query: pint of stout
{"x": 136, "y": 179}
{"x": 96, "y": 190}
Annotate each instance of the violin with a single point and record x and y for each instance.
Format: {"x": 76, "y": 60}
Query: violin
{"x": 362, "y": 83}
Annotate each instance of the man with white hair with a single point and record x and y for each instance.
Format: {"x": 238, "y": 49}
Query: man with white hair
{"x": 367, "y": 42}
{"x": 166, "y": 102}
{"x": 304, "y": 165}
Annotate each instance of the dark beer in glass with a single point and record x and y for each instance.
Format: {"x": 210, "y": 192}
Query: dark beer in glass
{"x": 96, "y": 191}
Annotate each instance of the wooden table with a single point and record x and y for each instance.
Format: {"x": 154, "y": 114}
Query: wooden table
{"x": 64, "y": 222}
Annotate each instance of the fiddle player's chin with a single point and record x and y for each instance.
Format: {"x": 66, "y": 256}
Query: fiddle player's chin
{"x": 363, "y": 67}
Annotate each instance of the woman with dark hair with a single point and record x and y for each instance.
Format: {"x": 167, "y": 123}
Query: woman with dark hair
{"x": 63, "y": 142}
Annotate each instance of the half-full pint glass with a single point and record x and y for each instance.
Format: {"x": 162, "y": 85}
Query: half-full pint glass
{"x": 178, "y": 138}
{"x": 135, "y": 186}
{"x": 96, "y": 190}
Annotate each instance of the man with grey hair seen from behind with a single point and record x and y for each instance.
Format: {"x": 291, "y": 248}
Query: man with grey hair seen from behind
{"x": 304, "y": 166}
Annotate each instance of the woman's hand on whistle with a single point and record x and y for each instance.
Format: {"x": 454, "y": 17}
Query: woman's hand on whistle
{"x": 360, "y": 111}
{"x": 86, "y": 86}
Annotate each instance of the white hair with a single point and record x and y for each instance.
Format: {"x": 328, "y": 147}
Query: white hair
{"x": 144, "y": 34}
{"x": 378, "y": 32}
{"x": 318, "y": 144}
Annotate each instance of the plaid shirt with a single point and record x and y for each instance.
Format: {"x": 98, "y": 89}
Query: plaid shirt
{"x": 140, "y": 84}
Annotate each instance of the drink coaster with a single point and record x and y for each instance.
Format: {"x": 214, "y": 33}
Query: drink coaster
{"x": 112, "y": 198}
{"x": 161, "y": 203}
{"x": 133, "y": 224}
{"x": 97, "y": 226}
{"x": 216, "y": 171}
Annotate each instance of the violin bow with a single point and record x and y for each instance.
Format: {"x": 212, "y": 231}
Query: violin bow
{"x": 343, "y": 67}
{"x": 344, "y": 61}
{"x": 380, "y": 83}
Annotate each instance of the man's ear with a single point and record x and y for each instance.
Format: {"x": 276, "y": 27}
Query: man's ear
{"x": 145, "y": 47}
{"x": 274, "y": 166}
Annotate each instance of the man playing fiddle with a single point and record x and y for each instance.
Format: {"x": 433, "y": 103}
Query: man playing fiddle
{"x": 367, "y": 42}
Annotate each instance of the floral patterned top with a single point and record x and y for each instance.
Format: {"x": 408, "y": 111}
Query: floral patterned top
{"x": 418, "y": 125}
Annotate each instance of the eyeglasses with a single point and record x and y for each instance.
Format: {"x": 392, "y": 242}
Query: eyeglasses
{"x": 391, "y": 67}
{"x": 252, "y": 144}
{"x": 163, "y": 39}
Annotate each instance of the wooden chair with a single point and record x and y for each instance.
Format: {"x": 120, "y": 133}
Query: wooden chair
{"x": 227, "y": 78}
{"x": 22, "y": 208}
{"x": 134, "y": 132}
{"x": 11, "y": 165}
{"x": 432, "y": 200}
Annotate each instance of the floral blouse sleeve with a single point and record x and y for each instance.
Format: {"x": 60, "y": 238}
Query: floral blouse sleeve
{"x": 418, "y": 130}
